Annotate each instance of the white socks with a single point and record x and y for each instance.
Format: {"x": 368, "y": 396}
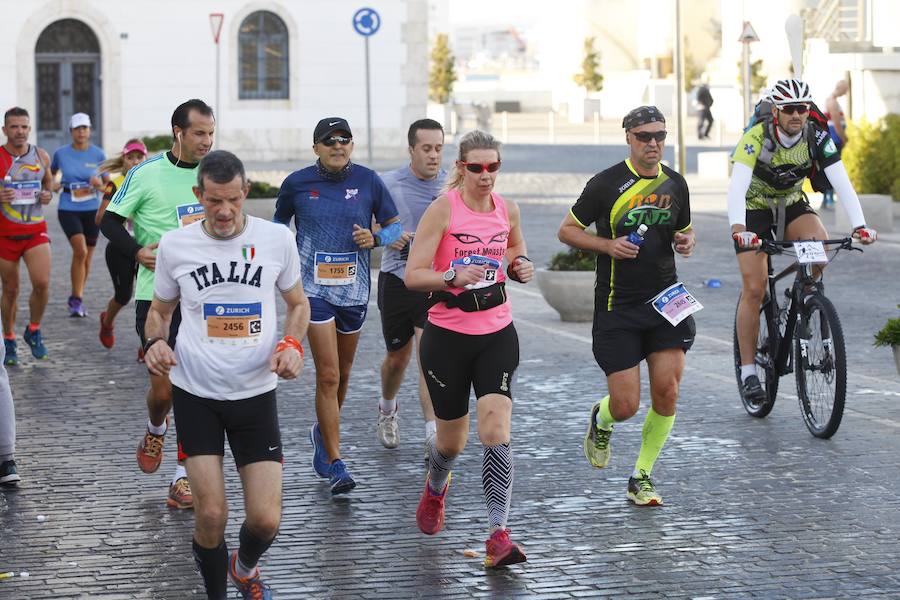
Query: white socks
{"x": 387, "y": 407}
{"x": 179, "y": 473}
{"x": 161, "y": 430}
{"x": 747, "y": 371}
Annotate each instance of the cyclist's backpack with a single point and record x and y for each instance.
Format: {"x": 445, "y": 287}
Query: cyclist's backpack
{"x": 780, "y": 177}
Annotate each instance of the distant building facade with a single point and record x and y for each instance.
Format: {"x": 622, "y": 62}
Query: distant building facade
{"x": 282, "y": 66}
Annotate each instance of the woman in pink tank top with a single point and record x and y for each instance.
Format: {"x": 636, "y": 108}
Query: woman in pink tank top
{"x": 469, "y": 341}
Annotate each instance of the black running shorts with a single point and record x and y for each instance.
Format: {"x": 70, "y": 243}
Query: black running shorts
{"x": 250, "y": 424}
{"x": 762, "y": 221}
{"x": 401, "y": 311}
{"x": 453, "y": 363}
{"x": 80, "y": 222}
{"x": 625, "y": 337}
{"x": 141, "y": 308}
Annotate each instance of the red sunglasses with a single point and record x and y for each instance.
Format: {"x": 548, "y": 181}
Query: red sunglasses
{"x": 481, "y": 167}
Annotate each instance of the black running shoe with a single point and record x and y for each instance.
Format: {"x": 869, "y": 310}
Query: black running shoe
{"x": 753, "y": 391}
{"x": 8, "y": 475}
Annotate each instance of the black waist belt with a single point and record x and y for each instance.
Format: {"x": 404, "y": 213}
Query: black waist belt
{"x": 68, "y": 188}
{"x": 471, "y": 300}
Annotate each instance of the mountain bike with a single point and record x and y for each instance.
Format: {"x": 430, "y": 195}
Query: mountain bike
{"x": 802, "y": 336}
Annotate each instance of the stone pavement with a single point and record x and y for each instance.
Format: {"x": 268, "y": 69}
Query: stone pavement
{"x": 754, "y": 508}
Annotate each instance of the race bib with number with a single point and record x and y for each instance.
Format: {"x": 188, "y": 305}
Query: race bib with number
{"x": 188, "y": 213}
{"x": 26, "y": 192}
{"x": 491, "y": 266}
{"x": 810, "y": 253}
{"x": 335, "y": 268}
{"x": 82, "y": 192}
{"x": 233, "y": 324}
{"x": 675, "y": 303}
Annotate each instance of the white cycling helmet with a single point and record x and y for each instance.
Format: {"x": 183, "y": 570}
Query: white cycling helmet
{"x": 789, "y": 91}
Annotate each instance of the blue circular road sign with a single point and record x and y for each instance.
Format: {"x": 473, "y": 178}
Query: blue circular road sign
{"x": 366, "y": 21}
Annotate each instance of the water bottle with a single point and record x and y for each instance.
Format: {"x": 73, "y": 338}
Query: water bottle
{"x": 712, "y": 283}
{"x": 637, "y": 237}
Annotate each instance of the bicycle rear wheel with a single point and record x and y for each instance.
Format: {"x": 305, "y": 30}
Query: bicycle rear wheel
{"x": 820, "y": 366}
{"x": 765, "y": 364}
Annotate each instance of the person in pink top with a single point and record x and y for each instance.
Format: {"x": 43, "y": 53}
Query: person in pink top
{"x": 469, "y": 340}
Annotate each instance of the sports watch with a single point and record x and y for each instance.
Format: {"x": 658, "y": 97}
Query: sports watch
{"x": 449, "y": 275}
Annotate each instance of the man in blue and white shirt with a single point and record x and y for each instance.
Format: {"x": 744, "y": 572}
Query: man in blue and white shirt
{"x": 332, "y": 204}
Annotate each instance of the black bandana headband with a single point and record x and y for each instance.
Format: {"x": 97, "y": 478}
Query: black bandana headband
{"x": 641, "y": 116}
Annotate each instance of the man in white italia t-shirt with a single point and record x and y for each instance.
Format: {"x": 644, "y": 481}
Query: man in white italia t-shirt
{"x": 225, "y": 270}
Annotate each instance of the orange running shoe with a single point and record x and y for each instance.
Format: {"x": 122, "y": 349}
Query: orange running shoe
{"x": 107, "y": 338}
{"x": 430, "y": 513}
{"x": 251, "y": 588}
{"x": 150, "y": 450}
{"x": 501, "y": 550}
{"x": 180, "y": 495}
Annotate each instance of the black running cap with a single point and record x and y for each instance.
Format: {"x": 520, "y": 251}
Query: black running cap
{"x": 641, "y": 116}
{"x": 326, "y": 127}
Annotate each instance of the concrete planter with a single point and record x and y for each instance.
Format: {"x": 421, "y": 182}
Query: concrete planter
{"x": 570, "y": 293}
{"x": 896, "y": 349}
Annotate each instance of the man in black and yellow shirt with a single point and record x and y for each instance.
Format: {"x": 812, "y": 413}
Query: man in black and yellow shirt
{"x": 627, "y": 327}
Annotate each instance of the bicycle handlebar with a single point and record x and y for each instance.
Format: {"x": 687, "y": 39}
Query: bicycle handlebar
{"x": 771, "y": 247}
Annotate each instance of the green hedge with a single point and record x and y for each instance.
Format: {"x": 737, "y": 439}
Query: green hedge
{"x": 872, "y": 156}
{"x": 157, "y": 143}
{"x": 261, "y": 189}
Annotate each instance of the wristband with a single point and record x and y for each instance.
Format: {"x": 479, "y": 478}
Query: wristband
{"x": 289, "y": 342}
{"x": 512, "y": 274}
{"x": 389, "y": 234}
{"x": 152, "y": 341}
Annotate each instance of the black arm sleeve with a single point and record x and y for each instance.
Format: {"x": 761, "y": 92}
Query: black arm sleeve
{"x": 113, "y": 227}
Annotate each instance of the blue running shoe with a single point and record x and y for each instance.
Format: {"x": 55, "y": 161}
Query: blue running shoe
{"x": 34, "y": 340}
{"x": 12, "y": 357}
{"x": 341, "y": 482}
{"x": 320, "y": 461}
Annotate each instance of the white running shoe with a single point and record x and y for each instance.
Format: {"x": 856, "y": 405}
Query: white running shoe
{"x": 429, "y": 441}
{"x": 389, "y": 429}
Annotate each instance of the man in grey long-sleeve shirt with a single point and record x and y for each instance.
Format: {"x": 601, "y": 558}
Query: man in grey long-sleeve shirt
{"x": 8, "y": 475}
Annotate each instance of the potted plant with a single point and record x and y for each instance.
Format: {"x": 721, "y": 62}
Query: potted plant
{"x": 890, "y": 336}
{"x": 567, "y": 284}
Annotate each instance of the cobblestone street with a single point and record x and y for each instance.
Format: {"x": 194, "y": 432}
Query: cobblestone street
{"x": 753, "y": 508}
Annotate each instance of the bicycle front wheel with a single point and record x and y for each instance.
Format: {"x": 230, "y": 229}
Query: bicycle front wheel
{"x": 820, "y": 365}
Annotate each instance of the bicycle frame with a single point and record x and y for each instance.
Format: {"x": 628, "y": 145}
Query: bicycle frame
{"x": 805, "y": 284}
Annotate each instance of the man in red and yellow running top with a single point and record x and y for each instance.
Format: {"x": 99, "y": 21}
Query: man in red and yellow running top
{"x": 23, "y": 230}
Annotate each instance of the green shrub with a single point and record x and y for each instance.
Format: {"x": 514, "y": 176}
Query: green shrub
{"x": 261, "y": 189}
{"x": 872, "y": 156}
{"x": 157, "y": 143}
{"x": 573, "y": 260}
{"x": 890, "y": 333}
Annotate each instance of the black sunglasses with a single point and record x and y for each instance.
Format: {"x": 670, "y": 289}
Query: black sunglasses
{"x": 646, "y": 136}
{"x": 480, "y": 167}
{"x": 337, "y": 139}
{"x": 789, "y": 109}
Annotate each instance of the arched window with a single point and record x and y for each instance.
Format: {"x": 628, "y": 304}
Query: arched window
{"x": 67, "y": 36}
{"x": 263, "y": 57}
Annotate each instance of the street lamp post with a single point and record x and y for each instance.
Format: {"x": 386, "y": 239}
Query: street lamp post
{"x": 680, "y": 164}
{"x": 748, "y": 36}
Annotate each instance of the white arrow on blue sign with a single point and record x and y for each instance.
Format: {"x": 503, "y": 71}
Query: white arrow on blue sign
{"x": 366, "y": 21}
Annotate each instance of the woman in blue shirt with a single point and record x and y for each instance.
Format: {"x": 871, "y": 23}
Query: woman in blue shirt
{"x": 80, "y": 190}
